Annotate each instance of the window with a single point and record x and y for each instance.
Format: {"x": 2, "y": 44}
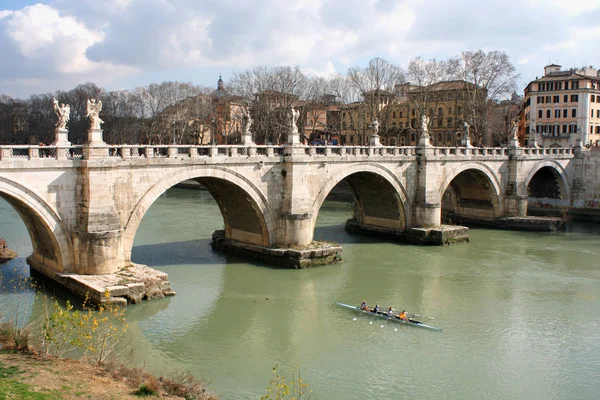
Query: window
{"x": 564, "y": 129}
{"x": 565, "y": 113}
{"x": 413, "y": 112}
{"x": 550, "y": 85}
{"x": 574, "y": 113}
{"x": 566, "y": 98}
{"x": 557, "y": 113}
{"x": 556, "y": 99}
{"x": 394, "y": 114}
{"x": 548, "y": 99}
{"x": 542, "y": 87}
{"x": 574, "y": 98}
{"x": 558, "y": 85}
{"x": 440, "y": 112}
{"x": 450, "y": 122}
{"x": 575, "y": 85}
{"x": 540, "y": 113}
{"x": 597, "y": 113}
{"x": 572, "y": 128}
{"x": 548, "y": 114}
{"x": 400, "y": 114}
{"x": 598, "y": 129}
{"x": 459, "y": 110}
{"x": 593, "y": 98}
{"x": 540, "y": 99}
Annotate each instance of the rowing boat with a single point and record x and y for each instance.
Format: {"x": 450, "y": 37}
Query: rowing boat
{"x": 395, "y": 318}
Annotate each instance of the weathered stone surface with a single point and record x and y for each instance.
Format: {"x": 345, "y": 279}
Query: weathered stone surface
{"x": 86, "y": 211}
{"x": 285, "y": 258}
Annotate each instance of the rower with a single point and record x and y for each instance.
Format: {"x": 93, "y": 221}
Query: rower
{"x": 375, "y": 309}
{"x": 364, "y": 306}
{"x": 390, "y": 312}
{"x": 402, "y": 316}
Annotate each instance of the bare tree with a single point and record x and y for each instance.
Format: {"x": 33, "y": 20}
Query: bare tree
{"x": 376, "y": 83}
{"x": 270, "y": 93}
{"x": 422, "y": 91}
{"x": 492, "y": 77}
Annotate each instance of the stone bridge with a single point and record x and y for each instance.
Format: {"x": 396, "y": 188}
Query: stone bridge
{"x": 83, "y": 205}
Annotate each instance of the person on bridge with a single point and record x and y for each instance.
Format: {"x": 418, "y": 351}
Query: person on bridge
{"x": 402, "y": 316}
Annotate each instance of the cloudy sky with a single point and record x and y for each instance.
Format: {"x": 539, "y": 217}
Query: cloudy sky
{"x": 120, "y": 44}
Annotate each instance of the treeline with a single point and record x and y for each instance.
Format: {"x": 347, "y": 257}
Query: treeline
{"x": 185, "y": 113}
{"x": 130, "y": 116}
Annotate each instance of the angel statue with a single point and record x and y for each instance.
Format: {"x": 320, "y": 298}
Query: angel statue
{"x": 375, "y": 125}
{"x": 425, "y": 124}
{"x": 246, "y": 121}
{"x": 93, "y": 109}
{"x": 294, "y": 120}
{"x": 466, "y": 128}
{"x": 515, "y": 129}
{"x": 62, "y": 112}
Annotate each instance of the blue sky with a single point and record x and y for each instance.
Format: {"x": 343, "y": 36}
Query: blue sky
{"x": 120, "y": 44}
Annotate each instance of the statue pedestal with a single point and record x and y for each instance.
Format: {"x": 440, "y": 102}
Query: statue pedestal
{"x": 466, "y": 142}
{"x": 374, "y": 140}
{"x": 294, "y": 138}
{"x": 61, "y": 138}
{"x": 425, "y": 140}
{"x": 95, "y": 138}
{"x": 95, "y": 146}
{"x": 534, "y": 143}
{"x": 246, "y": 138}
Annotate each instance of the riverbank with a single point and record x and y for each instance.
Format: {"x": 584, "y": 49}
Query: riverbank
{"x": 29, "y": 376}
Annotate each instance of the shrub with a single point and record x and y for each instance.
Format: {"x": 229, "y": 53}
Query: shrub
{"x": 280, "y": 389}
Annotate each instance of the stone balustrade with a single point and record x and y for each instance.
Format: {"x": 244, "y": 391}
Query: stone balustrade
{"x": 230, "y": 151}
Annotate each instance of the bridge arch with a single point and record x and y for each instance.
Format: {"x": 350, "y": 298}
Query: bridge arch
{"x": 52, "y": 248}
{"x": 380, "y": 198}
{"x": 549, "y": 180}
{"x": 472, "y": 190}
{"x": 246, "y": 212}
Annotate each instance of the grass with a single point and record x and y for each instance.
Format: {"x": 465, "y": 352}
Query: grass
{"x": 12, "y": 389}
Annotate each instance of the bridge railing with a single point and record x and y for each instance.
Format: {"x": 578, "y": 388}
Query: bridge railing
{"x": 547, "y": 151}
{"x": 229, "y": 151}
{"x": 192, "y": 151}
{"x": 470, "y": 151}
{"x": 359, "y": 151}
{"x": 27, "y": 152}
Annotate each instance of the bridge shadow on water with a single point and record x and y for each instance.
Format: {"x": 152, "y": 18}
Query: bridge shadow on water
{"x": 200, "y": 252}
{"x": 177, "y": 253}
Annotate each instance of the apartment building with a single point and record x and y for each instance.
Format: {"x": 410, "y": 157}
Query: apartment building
{"x": 563, "y": 106}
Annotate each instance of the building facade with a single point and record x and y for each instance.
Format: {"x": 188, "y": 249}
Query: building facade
{"x": 562, "y": 107}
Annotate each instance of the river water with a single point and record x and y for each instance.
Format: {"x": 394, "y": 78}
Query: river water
{"x": 520, "y": 311}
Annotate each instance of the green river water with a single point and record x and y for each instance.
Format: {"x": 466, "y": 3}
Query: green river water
{"x": 520, "y": 311}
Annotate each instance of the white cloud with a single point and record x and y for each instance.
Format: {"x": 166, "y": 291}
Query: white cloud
{"x": 41, "y": 48}
{"x": 325, "y": 71}
{"x": 68, "y": 41}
